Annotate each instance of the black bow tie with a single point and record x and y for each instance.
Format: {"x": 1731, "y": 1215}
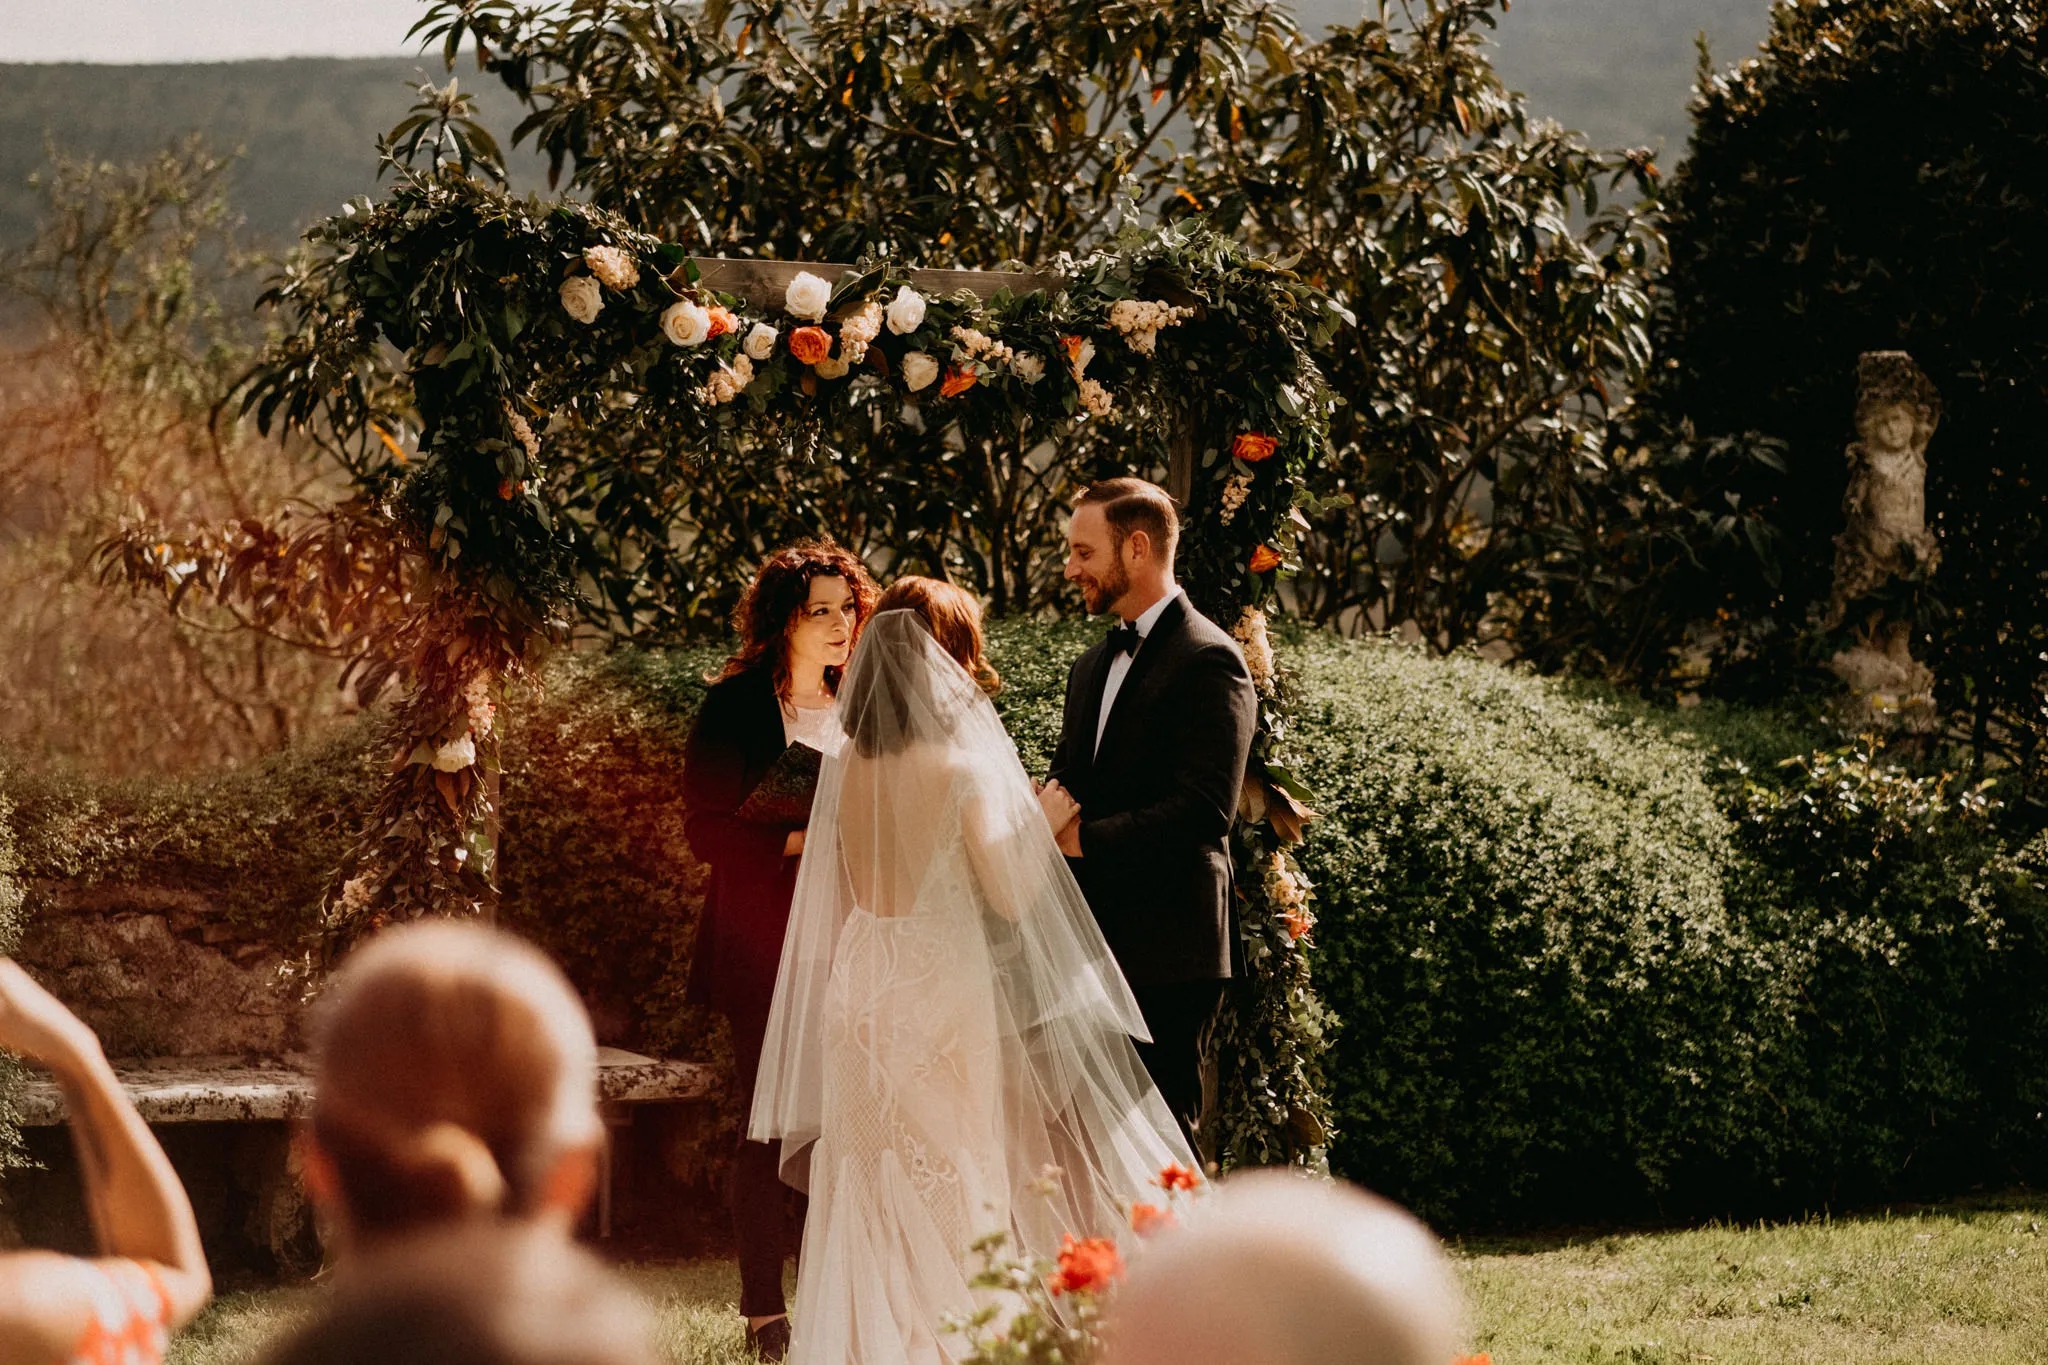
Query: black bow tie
{"x": 1125, "y": 639}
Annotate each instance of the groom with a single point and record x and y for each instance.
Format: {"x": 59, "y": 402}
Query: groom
{"x": 1153, "y": 744}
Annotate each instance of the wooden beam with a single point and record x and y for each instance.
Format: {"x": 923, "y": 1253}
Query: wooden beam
{"x": 761, "y": 283}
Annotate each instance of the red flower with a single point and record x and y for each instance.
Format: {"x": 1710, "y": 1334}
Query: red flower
{"x": 722, "y": 322}
{"x": 810, "y": 344}
{"x": 1482, "y": 1358}
{"x": 1175, "y": 1176}
{"x": 1265, "y": 559}
{"x": 1254, "y": 446}
{"x": 957, "y": 382}
{"x": 1147, "y": 1219}
{"x": 1086, "y": 1266}
{"x": 508, "y": 489}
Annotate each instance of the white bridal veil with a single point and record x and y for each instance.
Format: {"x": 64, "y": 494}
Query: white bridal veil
{"x": 927, "y": 813}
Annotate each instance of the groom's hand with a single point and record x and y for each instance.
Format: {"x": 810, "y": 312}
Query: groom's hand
{"x": 1069, "y": 838}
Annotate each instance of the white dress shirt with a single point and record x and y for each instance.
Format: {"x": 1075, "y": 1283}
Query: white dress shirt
{"x": 1120, "y": 663}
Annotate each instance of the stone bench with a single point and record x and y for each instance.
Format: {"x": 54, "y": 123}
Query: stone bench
{"x": 228, "y": 1090}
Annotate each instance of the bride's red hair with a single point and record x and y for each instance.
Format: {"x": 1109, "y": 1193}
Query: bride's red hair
{"x": 954, "y": 619}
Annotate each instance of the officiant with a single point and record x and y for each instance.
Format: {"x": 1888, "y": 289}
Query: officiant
{"x": 746, "y": 790}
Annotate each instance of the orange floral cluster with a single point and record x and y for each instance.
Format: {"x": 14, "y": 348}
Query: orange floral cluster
{"x": 1265, "y": 559}
{"x": 1087, "y": 1266}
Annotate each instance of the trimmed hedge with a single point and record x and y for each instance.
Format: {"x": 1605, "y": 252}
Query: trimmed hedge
{"x": 1592, "y": 959}
{"x": 1595, "y": 960}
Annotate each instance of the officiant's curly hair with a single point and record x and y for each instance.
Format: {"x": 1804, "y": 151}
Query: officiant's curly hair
{"x": 769, "y": 607}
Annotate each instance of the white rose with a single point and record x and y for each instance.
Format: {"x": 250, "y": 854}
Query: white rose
{"x": 582, "y": 298}
{"x": 831, "y": 367}
{"x": 1029, "y": 368}
{"x": 906, "y": 311}
{"x": 919, "y": 371}
{"x": 760, "y": 343}
{"x": 808, "y": 296}
{"x": 686, "y": 323}
{"x": 455, "y": 755}
{"x": 1081, "y": 361}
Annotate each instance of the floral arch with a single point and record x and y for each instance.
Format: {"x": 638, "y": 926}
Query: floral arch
{"x": 489, "y": 334}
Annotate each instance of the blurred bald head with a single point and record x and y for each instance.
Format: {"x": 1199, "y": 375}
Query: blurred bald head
{"x": 1279, "y": 1269}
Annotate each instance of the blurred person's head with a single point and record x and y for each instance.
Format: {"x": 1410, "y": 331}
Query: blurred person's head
{"x": 455, "y": 1076}
{"x": 481, "y": 1294}
{"x": 1274, "y": 1268}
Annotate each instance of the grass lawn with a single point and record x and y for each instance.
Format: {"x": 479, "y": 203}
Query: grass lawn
{"x": 1962, "y": 1283}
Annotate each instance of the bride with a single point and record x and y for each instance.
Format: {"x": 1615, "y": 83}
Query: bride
{"x": 949, "y": 1051}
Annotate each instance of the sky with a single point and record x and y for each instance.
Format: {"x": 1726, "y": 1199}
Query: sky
{"x": 202, "y": 30}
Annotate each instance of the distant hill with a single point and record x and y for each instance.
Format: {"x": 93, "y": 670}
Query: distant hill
{"x": 1617, "y": 70}
{"x": 307, "y": 127}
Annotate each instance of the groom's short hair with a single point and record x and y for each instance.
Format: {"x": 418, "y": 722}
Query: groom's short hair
{"x": 1135, "y": 505}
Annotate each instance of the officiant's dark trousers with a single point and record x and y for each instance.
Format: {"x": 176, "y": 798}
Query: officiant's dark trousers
{"x": 767, "y": 1215}
{"x": 1176, "y": 1013}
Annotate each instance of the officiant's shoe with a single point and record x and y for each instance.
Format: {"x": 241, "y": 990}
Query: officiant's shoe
{"x": 770, "y": 1341}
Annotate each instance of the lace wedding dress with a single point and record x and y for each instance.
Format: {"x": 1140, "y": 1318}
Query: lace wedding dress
{"x": 949, "y": 1052}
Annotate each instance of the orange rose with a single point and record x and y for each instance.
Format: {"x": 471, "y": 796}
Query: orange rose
{"x": 722, "y": 322}
{"x": 1265, "y": 559}
{"x": 1297, "y": 924}
{"x": 1174, "y": 1176}
{"x": 1250, "y": 446}
{"x": 1147, "y": 1219}
{"x": 1481, "y": 1359}
{"x": 508, "y": 489}
{"x": 1072, "y": 346}
{"x": 1086, "y": 1266}
{"x": 957, "y": 382}
{"x": 810, "y": 344}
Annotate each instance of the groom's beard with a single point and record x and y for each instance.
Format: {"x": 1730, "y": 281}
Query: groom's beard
{"x": 1098, "y": 593}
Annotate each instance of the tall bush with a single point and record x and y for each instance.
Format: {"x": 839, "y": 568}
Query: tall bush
{"x": 1877, "y": 179}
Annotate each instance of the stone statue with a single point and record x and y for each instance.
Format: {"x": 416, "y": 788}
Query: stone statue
{"x": 1885, "y": 537}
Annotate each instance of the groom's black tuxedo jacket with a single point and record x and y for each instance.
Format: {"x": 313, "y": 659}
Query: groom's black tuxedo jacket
{"x": 1158, "y": 797}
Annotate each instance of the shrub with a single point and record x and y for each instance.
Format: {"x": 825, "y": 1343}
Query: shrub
{"x": 1589, "y": 964}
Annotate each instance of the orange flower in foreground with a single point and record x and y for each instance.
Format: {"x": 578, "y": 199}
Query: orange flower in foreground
{"x": 1253, "y": 446}
{"x": 1265, "y": 559}
{"x": 1147, "y": 1219}
{"x": 957, "y": 382}
{"x": 1481, "y": 1359}
{"x": 810, "y": 344}
{"x": 1175, "y": 1176}
{"x": 722, "y": 322}
{"x": 1086, "y": 1266}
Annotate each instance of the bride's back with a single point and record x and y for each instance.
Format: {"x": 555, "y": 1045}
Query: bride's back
{"x": 899, "y": 823}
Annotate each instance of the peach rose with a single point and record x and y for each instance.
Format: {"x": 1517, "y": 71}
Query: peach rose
{"x": 810, "y": 344}
{"x": 722, "y": 321}
{"x": 1254, "y": 446}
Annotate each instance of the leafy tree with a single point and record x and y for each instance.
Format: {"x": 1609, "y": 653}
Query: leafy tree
{"x": 1874, "y": 181}
{"x": 1502, "y": 297}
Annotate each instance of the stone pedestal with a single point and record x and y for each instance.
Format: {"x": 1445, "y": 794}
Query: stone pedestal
{"x": 1885, "y": 537}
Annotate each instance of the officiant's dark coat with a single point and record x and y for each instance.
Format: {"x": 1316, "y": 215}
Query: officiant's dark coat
{"x": 736, "y": 739}
{"x": 1159, "y": 795}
